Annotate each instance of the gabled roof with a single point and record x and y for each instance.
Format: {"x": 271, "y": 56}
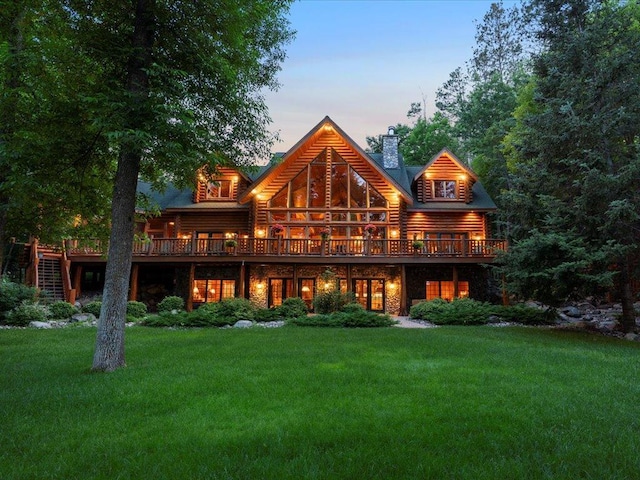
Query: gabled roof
{"x": 446, "y": 153}
{"x": 325, "y": 125}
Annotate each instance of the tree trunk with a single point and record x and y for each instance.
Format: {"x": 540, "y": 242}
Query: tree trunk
{"x": 109, "y": 353}
{"x": 628, "y": 320}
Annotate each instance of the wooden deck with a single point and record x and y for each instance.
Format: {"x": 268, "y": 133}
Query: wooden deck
{"x": 292, "y": 249}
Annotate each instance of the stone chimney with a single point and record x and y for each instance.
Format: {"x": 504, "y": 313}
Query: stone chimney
{"x": 390, "y": 149}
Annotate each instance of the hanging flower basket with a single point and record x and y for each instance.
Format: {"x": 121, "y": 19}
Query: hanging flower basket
{"x": 325, "y": 233}
{"x": 369, "y": 228}
{"x": 277, "y": 229}
{"x": 418, "y": 245}
{"x": 231, "y": 243}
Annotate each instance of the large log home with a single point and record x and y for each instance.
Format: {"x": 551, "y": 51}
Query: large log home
{"x": 390, "y": 233}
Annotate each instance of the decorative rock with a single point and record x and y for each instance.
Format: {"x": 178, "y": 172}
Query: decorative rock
{"x": 82, "y": 317}
{"x": 632, "y": 337}
{"x": 39, "y": 324}
{"x": 243, "y": 324}
{"x": 572, "y": 312}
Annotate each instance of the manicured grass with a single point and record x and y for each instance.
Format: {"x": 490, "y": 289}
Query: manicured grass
{"x": 305, "y": 403}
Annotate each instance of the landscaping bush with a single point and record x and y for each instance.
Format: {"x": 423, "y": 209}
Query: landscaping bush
{"x": 292, "y": 307}
{"x": 170, "y": 303}
{"x": 13, "y": 294}
{"x": 27, "y": 312}
{"x": 331, "y": 301}
{"x": 526, "y": 315}
{"x": 136, "y": 309}
{"x": 93, "y": 308}
{"x": 465, "y": 311}
{"x": 461, "y": 311}
{"x": 267, "y": 315}
{"x": 356, "y": 318}
{"x": 165, "y": 319}
{"x": 207, "y": 315}
{"x": 62, "y": 310}
{"x": 234, "y": 309}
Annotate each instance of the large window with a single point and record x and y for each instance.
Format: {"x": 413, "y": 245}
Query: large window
{"x": 446, "y": 189}
{"x": 328, "y": 191}
{"x": 445, "y": 289}
{"x": 213, "y": 290}
{"x": 279, "y": 289}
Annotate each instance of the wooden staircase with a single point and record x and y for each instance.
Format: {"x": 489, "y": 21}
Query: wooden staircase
{"x": 50, "y": 277}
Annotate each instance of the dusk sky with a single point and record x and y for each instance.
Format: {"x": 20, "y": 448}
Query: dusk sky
{"x": 363, "y": 62}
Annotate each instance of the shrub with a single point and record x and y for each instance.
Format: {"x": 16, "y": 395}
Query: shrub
{"x": 136, "y": 309}
{"x": 93, "y": 308}
{"x": 27, "y": 312}
{"x": 461, "y": 311}
{"x": 354, "y": 307}
{"x": 207, "y": 315}
{"x": 13, "y": 294}
{"x": 170, "y": 303}
{"x": 526, "y": 315}
{"x": 292, "y": 307}
{"x": 62, "y": 310}
{"x": 331, "y": 301}
{"x": 234, "y": 309}
{"x": 356, "y": 318}
{"x": 267, "y": 315}
{"x": 165, "y": 319}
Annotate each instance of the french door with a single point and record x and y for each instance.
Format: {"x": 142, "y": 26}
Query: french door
{"x": 370, "y": 293}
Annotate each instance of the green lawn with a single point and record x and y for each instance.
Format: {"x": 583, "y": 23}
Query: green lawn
{"x": 304, "y": 403}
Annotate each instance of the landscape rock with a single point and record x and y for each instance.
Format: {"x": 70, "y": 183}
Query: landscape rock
{"x": 243, "y": 324}
{"x": 634, "y": 337}
{"x": 572, "y": 311}
{"x": 35, "y": 324}
{"x": 82, "y": 317}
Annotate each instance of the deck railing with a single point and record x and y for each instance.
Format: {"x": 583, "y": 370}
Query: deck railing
{"x": 180, "y": 247}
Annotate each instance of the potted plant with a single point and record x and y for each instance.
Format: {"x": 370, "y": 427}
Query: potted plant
{"x": 369, "y": 228}
{"x": 230, "y": 243}
{"x": 277, "y": 229}
{"x": 417, "y": 245}
{"x": 325, "y": 233}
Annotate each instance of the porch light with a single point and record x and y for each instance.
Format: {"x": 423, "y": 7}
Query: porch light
{"x": 260, "y": 286}
{"x": 326, "y": 286}
{"x": 394, "y": 233}
{"x": 392, "y": 286}
{"x": 463, "y": 177}
{"x": 260, "y": 233}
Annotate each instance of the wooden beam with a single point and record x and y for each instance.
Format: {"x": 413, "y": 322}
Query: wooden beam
{"x": 192, "y": 276}
{"x": 133, "y": 284}
{"x": 403, "y": 291}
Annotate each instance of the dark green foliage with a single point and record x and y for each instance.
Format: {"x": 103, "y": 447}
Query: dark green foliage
{"x": 136, "y": 309}
{"x": 170, "y": 303}
{"x": 27, "y": 312}
{"x": 354, "y": 318}
{"x": 331, "y": 301}
{"x": 292, "y": 307}
{"x": 62, "y": 310}
{"x": 12, "y": 295}
{"x": 264, "y": 315}
{"x": 209, "y": 315}
{"x": 234, "y": 309}
{"x": 93, "y": 308}
{"x": 165, "y": 319}
{"x": 465, "y": 311}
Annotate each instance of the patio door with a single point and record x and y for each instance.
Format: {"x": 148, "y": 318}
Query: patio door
{"x": 369, "y": 293}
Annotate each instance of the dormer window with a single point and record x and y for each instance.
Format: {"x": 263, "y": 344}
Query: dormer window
{"x": 445, "y": 189}
{"x": 218, "y": 190}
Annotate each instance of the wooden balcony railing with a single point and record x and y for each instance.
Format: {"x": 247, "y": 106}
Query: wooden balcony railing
{"x": 181, "y": 247}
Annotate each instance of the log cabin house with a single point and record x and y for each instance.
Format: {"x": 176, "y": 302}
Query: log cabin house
{"x": 391, "y": 234}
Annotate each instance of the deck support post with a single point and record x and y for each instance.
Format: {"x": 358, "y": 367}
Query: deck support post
{"x": 133, "y": 284}
{"x": 403, "y": 290}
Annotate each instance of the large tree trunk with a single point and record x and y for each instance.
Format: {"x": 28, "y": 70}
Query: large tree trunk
{"x": 109, "y": 353}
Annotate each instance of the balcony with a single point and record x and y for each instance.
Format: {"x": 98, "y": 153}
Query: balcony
{"x": 287, "y": 248}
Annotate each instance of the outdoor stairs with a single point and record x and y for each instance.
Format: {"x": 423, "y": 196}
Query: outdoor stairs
{"x": 50, "y": 277}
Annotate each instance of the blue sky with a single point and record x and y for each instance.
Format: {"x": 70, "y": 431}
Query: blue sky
{"x": 363, "y": 62}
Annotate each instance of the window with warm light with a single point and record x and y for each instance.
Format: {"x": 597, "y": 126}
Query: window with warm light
{"x": 213, "y": 290}
{"x": 445, "y": 189}
{"x": 335, "y": 194}
{"x": 218, "y": 190}
{"x": 444, "y": 289}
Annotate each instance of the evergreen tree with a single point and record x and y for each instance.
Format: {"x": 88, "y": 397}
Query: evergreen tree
{"x": 576, "y": 150}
